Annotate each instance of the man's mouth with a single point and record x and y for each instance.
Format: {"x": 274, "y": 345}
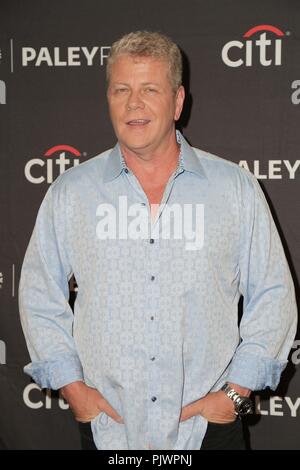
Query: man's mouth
{"x": 138, "y": 122}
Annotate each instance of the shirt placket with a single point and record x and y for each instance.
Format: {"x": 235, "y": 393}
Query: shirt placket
{"x": 151, "y": 308}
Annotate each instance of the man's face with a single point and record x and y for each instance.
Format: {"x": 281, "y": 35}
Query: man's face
{"x": 142, "y": 103}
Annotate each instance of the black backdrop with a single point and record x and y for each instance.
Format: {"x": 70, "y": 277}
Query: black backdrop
{"x": 243, "y": 104}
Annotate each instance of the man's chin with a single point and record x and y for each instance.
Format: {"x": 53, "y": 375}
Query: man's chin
{"x": 136, "y": 145}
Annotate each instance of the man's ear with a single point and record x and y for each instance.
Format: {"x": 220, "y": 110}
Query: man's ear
{"x": 180, "y": 95}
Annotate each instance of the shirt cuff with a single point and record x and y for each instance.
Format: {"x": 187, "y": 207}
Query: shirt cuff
{"x": 55, "y": 374}
{"x": 255, "y": 372}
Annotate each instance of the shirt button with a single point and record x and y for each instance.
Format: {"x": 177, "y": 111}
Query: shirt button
{"x": 153, "y": 399}
{"x": 126, "y": 170}
{"x": 151, "y": 240}
{"x": 153, "y": 358}
{"x": 152, "y": 318}
{"x": 143, "y": 203}
{"x": 152, "y": 278}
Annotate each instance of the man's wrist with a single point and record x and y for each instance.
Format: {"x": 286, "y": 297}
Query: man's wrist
{"x": 244, "y": 392}
{"x": 242, "y": 403}
{"x": 69, "y": 390}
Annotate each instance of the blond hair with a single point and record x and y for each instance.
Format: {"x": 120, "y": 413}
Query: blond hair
{"x": 149, "y": 44}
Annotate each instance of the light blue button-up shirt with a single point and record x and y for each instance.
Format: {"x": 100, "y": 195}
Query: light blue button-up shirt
{"x": 155, "y": 324}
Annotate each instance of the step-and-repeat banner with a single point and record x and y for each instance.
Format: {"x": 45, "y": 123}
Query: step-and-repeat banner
{"x": 242, "y": 75}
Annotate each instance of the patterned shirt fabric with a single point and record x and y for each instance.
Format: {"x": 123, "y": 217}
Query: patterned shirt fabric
{"x": 155, "y": 324}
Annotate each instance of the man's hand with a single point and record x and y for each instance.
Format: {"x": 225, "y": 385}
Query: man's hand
{"x": 216, "y": 407}
{"x": 86, "y": 402}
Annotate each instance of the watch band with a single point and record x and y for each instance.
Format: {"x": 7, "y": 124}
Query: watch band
{"x": 242, "y": 404}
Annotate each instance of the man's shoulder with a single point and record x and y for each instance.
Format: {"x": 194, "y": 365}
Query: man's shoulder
{"x": 89, "y": 170}
{"x": 217, "y": 167}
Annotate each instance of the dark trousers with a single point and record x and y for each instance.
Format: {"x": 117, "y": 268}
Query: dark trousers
{"x": 224, "y": 436}
{"x": 218, "y": 436}
{"x": 86, "y": 435}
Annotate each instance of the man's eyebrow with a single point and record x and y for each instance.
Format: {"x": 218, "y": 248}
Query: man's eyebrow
{"x": 120, "y": 83}
{"x": 150, "y": 83}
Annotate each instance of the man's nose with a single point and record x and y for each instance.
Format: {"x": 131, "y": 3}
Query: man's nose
{"x": 135, "y": 101}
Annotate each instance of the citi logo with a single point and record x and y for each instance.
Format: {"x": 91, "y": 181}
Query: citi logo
{"x": 266, "y": 51}
{"x": 35, "y": 398}
{"x": 57, "y": 160}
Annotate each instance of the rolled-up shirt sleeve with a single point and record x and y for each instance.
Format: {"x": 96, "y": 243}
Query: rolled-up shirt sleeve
{"x": 269, "y": 320}
{"x": 45, "y": 313}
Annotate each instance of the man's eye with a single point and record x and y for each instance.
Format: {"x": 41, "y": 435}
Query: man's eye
{"x": 151, "y": 90}
{"x": 121, "y": 90}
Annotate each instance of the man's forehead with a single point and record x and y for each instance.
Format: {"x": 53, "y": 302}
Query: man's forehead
{"x": 140, "y": 59}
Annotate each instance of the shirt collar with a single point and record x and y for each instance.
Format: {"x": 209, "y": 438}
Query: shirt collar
{"x": 188, "y": 160}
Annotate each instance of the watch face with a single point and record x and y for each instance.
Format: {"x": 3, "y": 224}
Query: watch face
{"x": 245, "y": 406}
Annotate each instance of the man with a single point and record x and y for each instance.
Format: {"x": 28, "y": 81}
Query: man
{"x": 163, "y": 239}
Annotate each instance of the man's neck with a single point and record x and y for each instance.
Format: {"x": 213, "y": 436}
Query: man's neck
{"x": 158, "y": 163}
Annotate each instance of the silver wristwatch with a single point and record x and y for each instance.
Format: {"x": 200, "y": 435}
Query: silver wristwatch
{"x": 242, "y": 405}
